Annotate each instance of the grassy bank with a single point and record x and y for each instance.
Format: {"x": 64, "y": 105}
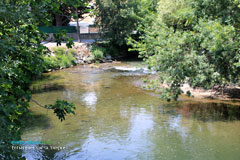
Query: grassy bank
{"x": 60, "y": 58}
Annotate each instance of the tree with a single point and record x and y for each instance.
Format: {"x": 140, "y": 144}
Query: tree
{"x": 195, "y": 42}
{"x": 119, "y": 19}
{"x": 60, "y": 12}
{"x": 20, "y": 61}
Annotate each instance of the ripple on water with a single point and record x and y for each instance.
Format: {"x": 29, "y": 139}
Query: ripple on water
{"x": 115, "y": 119}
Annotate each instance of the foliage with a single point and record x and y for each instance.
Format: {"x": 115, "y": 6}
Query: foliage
{"x": 119, "y": 19}
{"x": 61, "y": 58}
{"x": 62, "y": 108}
{"x": 20, "y": 61}
{"x": 98, "y": 52}
{"x": 58, "y": 12}
{"x": 194, "y": 42}
{"x": 237, "y": 2}
{"x": 60, "y": 36}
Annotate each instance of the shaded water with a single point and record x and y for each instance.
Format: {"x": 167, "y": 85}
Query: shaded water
{"x": 116, "y": 119}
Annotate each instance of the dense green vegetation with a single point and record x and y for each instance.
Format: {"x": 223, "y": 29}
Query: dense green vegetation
{"x": 62, "y": 58}
{"x": 21, "y": 59}
{"x": 98, "y": 52}
{"x": 194, "y": 42}
{"x": 186, "y": 41}
{"x": 120, "y": 19}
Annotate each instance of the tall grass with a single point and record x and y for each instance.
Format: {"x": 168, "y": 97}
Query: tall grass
{"x": 63, "y": 58}
{"x": 98, "y": 52}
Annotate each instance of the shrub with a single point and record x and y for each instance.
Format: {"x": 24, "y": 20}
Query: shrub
{"x": 194, "y": 42}
{"x": 98, "y": 52}
{"x": 59, "y": 50}
{"x": 50, "y": 63}
{"x": 63, "y": 59}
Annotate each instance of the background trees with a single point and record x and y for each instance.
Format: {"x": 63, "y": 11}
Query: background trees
{"x": 186, "y": 41}
{"x": 194, "y": 42}
{"x": 58, "y": 12}
{"x": 119, "y": 19}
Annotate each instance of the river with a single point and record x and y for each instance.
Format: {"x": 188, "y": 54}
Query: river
{"x": 116, "y": 119}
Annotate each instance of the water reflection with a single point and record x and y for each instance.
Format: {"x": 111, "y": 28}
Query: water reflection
{"x": 175, "y": 123}
{"x": 117, "y": 120}
{"x": 117, "y": 144}
{"x": 90, "y": 98}
{"x": 44, "y": 152}
{"x": 50, "y": 87}
{"x": 210, "y": 112}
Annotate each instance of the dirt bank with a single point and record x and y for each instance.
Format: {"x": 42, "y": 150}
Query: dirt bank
{"x": 229, "y": 93}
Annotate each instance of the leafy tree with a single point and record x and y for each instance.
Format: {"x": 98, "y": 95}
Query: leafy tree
{"x": 192, "y": 41}
{"x": 20, "y": 61}
{"x": 119, "y": 19}
{"x": 60, "y": 12}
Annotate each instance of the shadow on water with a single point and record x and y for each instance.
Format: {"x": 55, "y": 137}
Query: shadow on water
{"x": 47, "y": 88}
{"x": 11, "y": 152}
{"x": 44, "y": 83}
{"x": 49, "y": 149}
{"x": 206, "y": 112}
{"x": 36, "y": 121}
{"x": 47, "y": 77}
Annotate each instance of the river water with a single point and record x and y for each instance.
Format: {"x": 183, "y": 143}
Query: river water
{"x": 117, "y": 119}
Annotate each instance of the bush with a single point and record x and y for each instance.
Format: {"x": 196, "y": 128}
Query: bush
{"x": 194, "y": 42}
{"x": 59, "y": 50}
{"x": 113, "y": 51}
{"x": 107, "y": 49}
{"x": 63, "y": 59}
{"x": 98, "y": 52}
{"x": 50, "y": 63}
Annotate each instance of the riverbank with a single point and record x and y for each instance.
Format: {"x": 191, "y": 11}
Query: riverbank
{"x": 83, "y": 55}
{"x": 230, "y": 93}
{"x": 80, "y": 53}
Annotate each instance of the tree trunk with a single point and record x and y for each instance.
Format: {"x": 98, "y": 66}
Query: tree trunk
{"x": 58, "y": 20}
{"x": 78, "y": 29}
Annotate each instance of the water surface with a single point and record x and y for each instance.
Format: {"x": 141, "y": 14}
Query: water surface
{"x": 117, "y": 119}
